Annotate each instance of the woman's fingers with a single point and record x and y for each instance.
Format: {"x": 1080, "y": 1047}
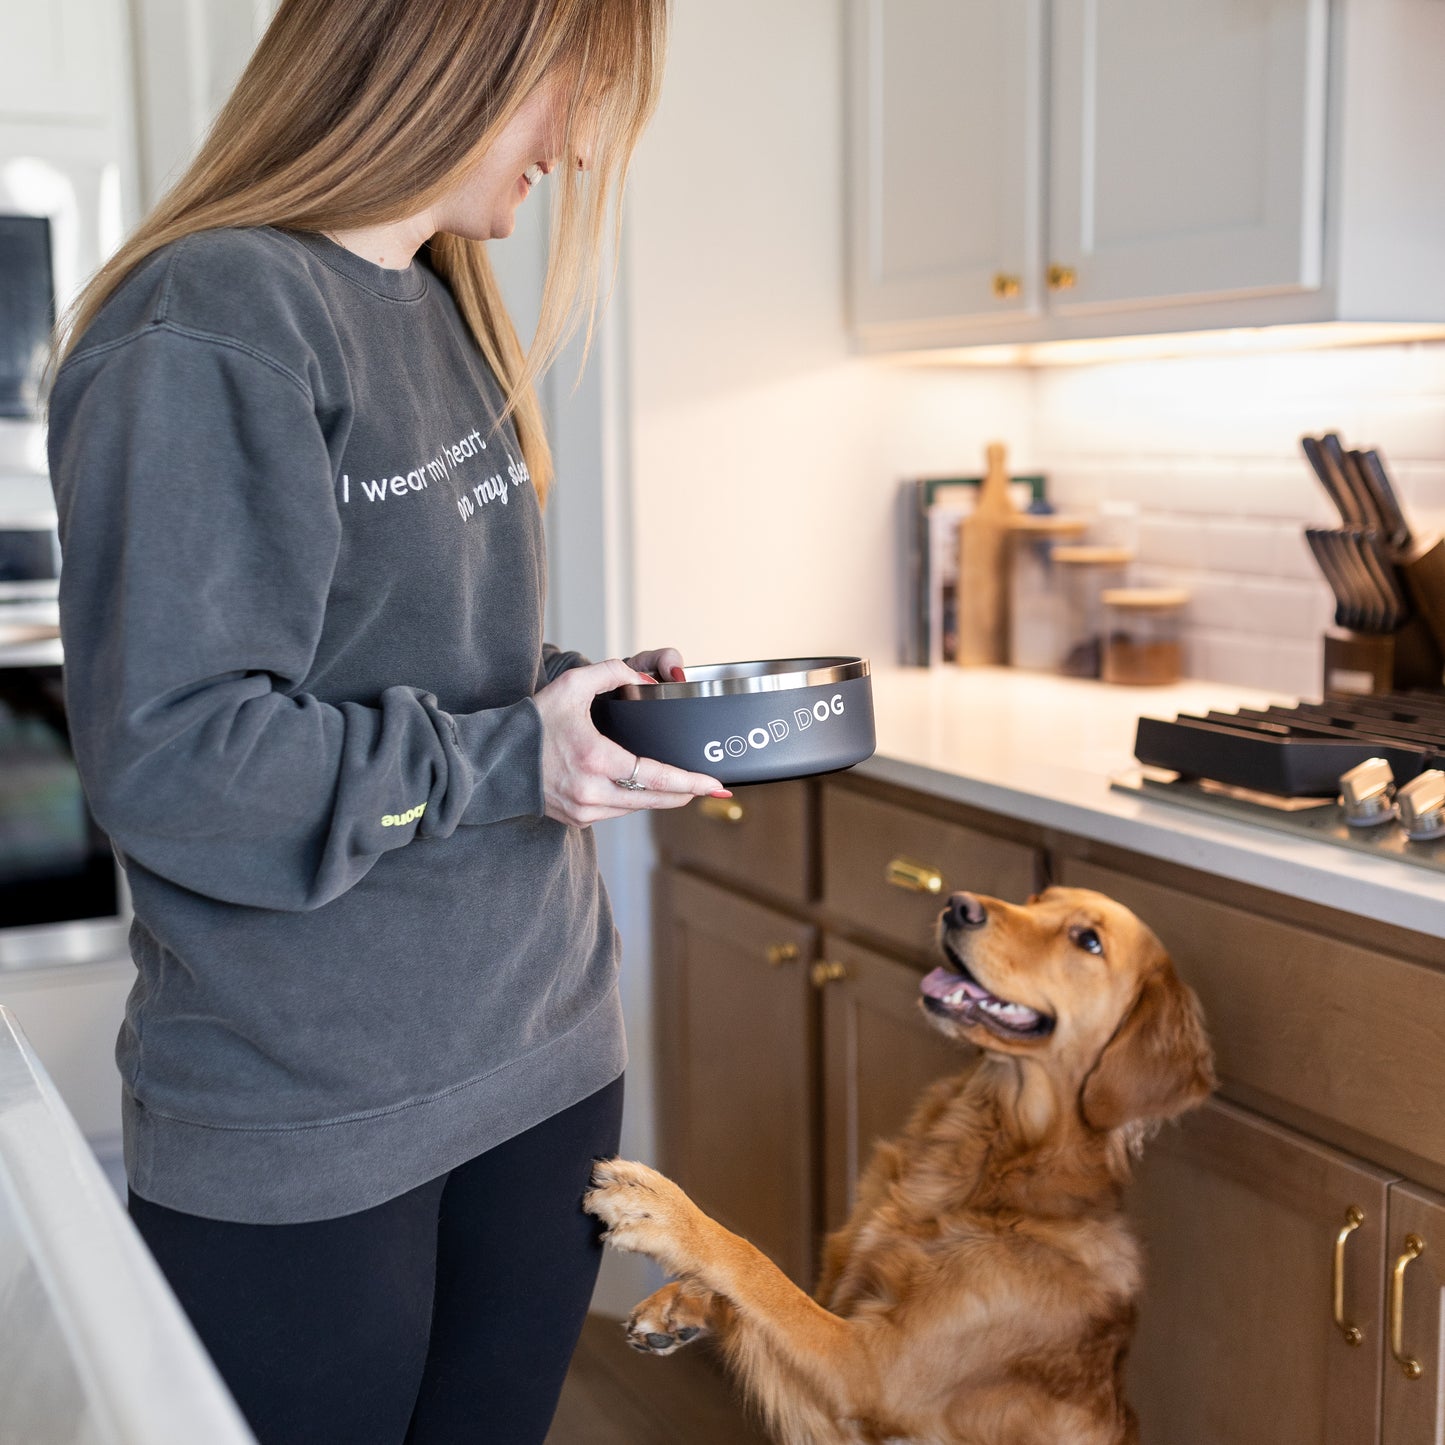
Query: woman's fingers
{"x": 664, "y": 664}
{"x": 587, "y": 778}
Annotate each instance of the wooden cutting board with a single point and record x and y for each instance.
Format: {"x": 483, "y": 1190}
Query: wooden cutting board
{"x": 983, "y": 569}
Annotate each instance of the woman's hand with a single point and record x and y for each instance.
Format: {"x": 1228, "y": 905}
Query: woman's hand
{"x": 580, "y": 766}
{"x": 663, "y": 665}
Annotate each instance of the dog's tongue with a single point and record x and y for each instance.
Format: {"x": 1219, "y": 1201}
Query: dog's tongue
{"x": 944, "y": 981}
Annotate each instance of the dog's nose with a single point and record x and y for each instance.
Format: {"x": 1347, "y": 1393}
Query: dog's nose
{"x": 965, "y": 911}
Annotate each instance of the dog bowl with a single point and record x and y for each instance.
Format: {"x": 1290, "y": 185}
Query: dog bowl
{"x": 749, "y": 722}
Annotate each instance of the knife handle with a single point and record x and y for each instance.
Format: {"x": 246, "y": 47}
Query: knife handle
{"x": 1331, "y": 481}
{"x": 1392, "y": 514}
{"x": 1367, "y": 514}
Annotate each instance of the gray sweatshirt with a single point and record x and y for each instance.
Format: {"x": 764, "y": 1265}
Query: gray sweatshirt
{"x": 301, "y": 603}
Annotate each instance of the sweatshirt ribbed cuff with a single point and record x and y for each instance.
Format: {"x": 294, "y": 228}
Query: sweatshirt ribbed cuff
{"x": 503, "y": 748}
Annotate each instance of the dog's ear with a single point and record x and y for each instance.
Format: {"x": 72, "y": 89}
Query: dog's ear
{"x": 1158, "y": 1063}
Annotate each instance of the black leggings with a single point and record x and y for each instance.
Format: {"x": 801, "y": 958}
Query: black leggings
{"x": 446, "y": 1316}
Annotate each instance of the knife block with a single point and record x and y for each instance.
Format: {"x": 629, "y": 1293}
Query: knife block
{"x": 1423, "y": 568}
{"x": 1367, "y": 663}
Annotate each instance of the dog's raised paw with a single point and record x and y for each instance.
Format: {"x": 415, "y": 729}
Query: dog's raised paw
{"x": 643, "y": 1211}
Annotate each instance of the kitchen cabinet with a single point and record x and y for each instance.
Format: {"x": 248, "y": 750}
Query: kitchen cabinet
{"x": 1187, "y": 155}
{"x": 878, "y": 1056}
{"x": 1286, "y": 1224}
{"x": 1239, "y": 1220}
{"x": 1247, "y": 163}
{"x": 1415, "y": 1342}
{"x": 738, "y": 1065}
{"x": 946, "y": 219}
{"x": 784, "y": 1054}
{"x": 1334, "y": 1043}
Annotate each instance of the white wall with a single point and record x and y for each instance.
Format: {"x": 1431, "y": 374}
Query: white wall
{"x": 764, "y": 455}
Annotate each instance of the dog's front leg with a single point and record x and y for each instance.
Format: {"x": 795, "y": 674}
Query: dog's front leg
{"x": 648, "y": 1213}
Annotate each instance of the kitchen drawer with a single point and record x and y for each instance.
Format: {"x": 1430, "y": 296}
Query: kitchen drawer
{"x": 759, "y": 838}
{"x": 865, "y": 838}
{"x": 1330, "y": 1030}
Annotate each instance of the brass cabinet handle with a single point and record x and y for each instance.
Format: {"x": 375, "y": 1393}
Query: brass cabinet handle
{"x": 781, "y": 953}
{"x": 721, "y": 810}
{"x": 1062, "y": 278}
{"x": 913, "y": 877}
{"x": 1354, "y": 1218}
{"x": 1006, "y": 287}
{"x": 823, "y": 974}
{"x": 1414, "y": 1248}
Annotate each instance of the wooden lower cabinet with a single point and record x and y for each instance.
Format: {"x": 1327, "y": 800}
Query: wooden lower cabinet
{"x": 879, "y": 1054}
{"x": 790, "y": 1040}
{"x": 1237, "y": 1341}
{"x": 1414, "y": 1387}
{"x": 738, "y": 1064}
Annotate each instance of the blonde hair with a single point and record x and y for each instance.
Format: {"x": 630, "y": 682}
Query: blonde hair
{"x": 353, "y": 113}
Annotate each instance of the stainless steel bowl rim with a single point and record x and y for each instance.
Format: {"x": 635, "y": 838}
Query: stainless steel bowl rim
{"x": 725, "y": 679}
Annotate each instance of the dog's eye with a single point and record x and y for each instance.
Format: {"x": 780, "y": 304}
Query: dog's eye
{"x": 1088, "y": 940}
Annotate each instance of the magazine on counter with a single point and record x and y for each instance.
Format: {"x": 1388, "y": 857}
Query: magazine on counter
{"x": 930, "y": 510}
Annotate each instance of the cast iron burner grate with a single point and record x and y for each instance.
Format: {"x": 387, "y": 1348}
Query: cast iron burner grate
{"x": 1300, "y": 752}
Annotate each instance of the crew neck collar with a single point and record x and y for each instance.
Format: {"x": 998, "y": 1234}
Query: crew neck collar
{"x": 408, "y": 284}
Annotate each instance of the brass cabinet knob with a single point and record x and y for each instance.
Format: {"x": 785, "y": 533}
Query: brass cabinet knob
{"x": 823, "y": 974}
{"x": 1062, "y": 278}
{"x": 721, "y": 810}
{"x": 1409, "y": 1365}
{"x": 783, "y": 953}
{"x": 913, "y": 877}
{"x": 1354, "y": 1218}
{"x": 1006, "y": 287}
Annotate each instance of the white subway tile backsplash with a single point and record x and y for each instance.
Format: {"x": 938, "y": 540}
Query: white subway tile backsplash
{"x": 1283, "y": 669}
{"x": 1208, "y": 450}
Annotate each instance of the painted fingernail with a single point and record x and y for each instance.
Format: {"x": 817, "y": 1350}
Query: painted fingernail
{"x": 721, "y": 793}
{"x": 678, "y": 675}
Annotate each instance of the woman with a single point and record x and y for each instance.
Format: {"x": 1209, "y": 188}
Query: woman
{"x": 374, "y": 1041}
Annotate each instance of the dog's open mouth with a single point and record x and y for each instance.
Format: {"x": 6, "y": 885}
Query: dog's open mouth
{"x": 955, "y": 993}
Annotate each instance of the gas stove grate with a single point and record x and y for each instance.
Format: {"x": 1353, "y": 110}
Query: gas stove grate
{"x": 1300, "y": 752}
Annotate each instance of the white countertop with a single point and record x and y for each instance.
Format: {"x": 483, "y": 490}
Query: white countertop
{"x": 1042, "y": 749}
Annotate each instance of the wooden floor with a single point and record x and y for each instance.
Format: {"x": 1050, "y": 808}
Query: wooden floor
{"x": 614, "y": 1396}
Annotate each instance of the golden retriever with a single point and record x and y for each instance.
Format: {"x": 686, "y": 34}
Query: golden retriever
{"x": 983, "y": 1291}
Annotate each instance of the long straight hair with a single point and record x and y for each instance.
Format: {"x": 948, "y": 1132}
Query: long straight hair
{"x": 355, "y": 113}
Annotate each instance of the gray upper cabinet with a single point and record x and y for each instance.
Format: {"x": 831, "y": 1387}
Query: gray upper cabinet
{"x": 1188, "y": 155}
{"x": 1054, "y": 169}
{"x": 948, "y": 123}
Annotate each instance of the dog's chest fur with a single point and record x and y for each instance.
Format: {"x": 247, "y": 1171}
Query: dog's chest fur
{"x": 960, "y": 1208}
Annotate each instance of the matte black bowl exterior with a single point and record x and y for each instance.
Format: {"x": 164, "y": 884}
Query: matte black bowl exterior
{"x": 749, "y": 722}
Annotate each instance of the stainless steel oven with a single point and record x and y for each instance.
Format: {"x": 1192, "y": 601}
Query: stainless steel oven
{"x": 62, "y": 893}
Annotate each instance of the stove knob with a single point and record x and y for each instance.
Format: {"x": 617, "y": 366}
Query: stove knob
{"x": 1367, "y": 794}
{"x": 1420, "y": 805}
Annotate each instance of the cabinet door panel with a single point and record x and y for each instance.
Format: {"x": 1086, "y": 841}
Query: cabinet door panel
{"x": 864, "y": 836}
{"x": 879, "y": 1055}
{"x": 1188, "y": 148}
{"x": 737, "y": 1064}
{"x": 761, "y": 838}
{"x": 1345, "y": 1034}
{"x": 1236, "y": 1340}
{"x": 1415, "y": 1407}
{"x": 946, "y": 134}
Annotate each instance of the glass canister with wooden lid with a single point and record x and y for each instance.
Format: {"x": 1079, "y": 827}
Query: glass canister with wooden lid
{"x": 1085, "y": 574}
{"x": 1144, "y": 635}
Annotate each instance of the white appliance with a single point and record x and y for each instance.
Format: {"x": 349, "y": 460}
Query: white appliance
{"x": 93, "y": 1346}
